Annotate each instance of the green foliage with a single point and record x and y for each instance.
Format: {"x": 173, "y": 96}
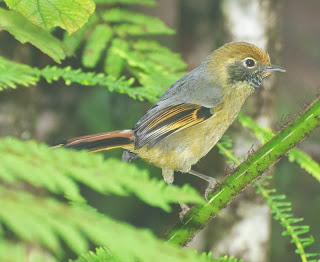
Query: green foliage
{"x": 293, "y": 228}
{"x": 96, "y": 43}
{"x": 132, "y": 23}
{"x": 47, "y": 221}
{"x": 247, "y": 172}
{"x": 103, "y": 254}
{"x": 128, "y": 2}
{"x": 280, "y": 208}
{"x": 264, "y": 134}
{"x": 68, "y": 14}
{"x": 295, "y": 155}
{"x": 36, "y": 222}
{"x": 14, "y": 252}
{"x": 60, "y": 170}
{"x": 154, "y": 66}
{"x": 227, "y": 259}
{"x": 305, "y": 162}
{"x": 24, "y": 31}
{"x": 13, "y": 74}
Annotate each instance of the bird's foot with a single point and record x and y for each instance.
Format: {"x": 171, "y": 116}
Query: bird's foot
{"x": 211, "y": 182}
{"x": 211, "y": 185}
{"x": 184, "y": 210}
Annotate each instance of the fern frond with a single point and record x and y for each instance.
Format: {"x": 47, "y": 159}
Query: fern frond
{"x": 95, "y": 45}
{"x": 207, "y": 257}
{"x": 127, "y": 2}
{"x": 101, "y": 254}
{"x": 305, "y": 162}
{"x": 72, "y": 42}
{"x": 133, "y": 23}
{"x": 153, "y": 66}
{"x": 114, "y": 63}
{"x": 295, "y": 155}
{"x": 13, "y": 74}
{"x": 281, "y": 210}
{"x": 20, "y": 252}
{"x": 46, "y": 222}
{"x": 160, "y": 55}
{"x": 264, "y": 134}
{"x": 153, "y": 76}
{"x": 226, "y": 259}
{"x": 60, "y": 170}
{"x": 70, "y": 76}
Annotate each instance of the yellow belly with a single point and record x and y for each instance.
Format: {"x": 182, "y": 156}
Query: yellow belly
{"x": 183, "y": 149}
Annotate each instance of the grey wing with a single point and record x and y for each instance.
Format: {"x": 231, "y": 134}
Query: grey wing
{"x": 196, "y": 88}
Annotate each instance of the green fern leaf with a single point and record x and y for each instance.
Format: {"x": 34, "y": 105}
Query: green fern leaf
{"x": 295, "y": 155}
{"x": 95, "y": 45}
{"x": 60, "y": 170}
{"x": 113, "y": 62}
{"x": 20, "y": 252}
{"x": 134, "y": 23}
{"x": 305, "y": 162}
{"x": 280, "y": 209}
{"x": 72, "y": 42}
{"x": 13, "y": 74}
{"x": 127, "y": 2}
{"x": 45, "y": 222}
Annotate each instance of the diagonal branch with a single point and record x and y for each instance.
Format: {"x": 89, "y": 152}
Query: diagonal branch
{"x": 245, "y": 174}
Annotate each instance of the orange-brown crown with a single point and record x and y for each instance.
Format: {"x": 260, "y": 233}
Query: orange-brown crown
{"x": 240, "y": 50}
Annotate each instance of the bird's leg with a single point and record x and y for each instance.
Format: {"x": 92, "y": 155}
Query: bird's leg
{"x": 168, "y": 175}
{"x": 127, "y": 156}
{"x": 211, "y": 182}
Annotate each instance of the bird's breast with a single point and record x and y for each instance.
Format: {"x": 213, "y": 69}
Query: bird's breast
{"x": 183, "y": 149}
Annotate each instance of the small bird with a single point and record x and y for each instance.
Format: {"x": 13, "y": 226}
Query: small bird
{"x": 192, "y": 115}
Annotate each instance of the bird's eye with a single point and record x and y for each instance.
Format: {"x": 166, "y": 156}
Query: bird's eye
{"x": 250, "y": 62}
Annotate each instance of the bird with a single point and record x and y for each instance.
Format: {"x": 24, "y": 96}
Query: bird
{"x": 192, "y": 115}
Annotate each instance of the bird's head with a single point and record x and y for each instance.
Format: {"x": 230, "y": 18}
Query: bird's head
{"x": 242, "y": 65}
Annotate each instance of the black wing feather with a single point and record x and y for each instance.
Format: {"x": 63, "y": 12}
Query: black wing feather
{"x": 153, "y": 128}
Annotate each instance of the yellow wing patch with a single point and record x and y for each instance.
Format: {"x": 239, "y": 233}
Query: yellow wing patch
{"x": 168, "y": 121}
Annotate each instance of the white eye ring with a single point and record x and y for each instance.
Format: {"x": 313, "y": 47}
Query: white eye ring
{"x": 249, "y": 62}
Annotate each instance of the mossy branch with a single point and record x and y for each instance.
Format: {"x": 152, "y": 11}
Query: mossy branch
{"x": 245, "y": 174}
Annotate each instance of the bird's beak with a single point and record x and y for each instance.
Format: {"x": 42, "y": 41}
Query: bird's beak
{"x": 273, "y": 68}
{"x": 267, "y": 70}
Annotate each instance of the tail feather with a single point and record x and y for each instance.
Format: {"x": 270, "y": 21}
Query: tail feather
{"x": 101, "y": 141}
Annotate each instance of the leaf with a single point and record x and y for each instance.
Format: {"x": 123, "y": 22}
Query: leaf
{"x": 305, "y": 162}
{"x": 95, "y": 45}
{"x": 295, "y": 155}
{"x": 113, "y": 62}
{"x": 73, "y": 41}
{"x": 127, "y": 2}
{"x": 24, "y": 31}
{"x": 45, "y": 222}
{"x": 61, "y": 170}
{"x": 12, "y": 73}
{"x": 70, "y": 15}
{"x": 134, "y": 23}
{"x": 19, "y": 252}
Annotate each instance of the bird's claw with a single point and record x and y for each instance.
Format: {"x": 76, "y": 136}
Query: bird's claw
{"x": 185, "y": 209}
{"x": 210, "y": 187}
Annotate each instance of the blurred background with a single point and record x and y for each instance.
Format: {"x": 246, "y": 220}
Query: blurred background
{"x": 288, "y": 29}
